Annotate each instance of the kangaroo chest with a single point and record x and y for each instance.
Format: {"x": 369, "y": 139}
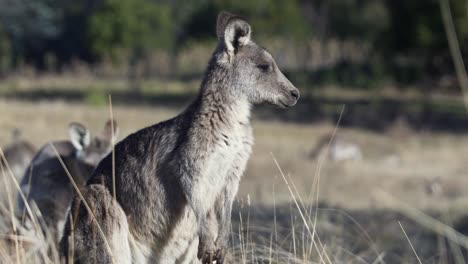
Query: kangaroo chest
{"x": 229, "y": 155}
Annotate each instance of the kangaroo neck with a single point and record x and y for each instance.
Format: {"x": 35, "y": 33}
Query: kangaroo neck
{"x": 218, "y": 105}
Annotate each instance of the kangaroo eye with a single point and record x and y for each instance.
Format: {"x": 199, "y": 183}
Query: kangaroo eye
{"x": 264, "y": 67}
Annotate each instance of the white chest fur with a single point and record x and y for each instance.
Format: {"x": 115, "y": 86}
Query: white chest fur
{"x": 226, "y": 162}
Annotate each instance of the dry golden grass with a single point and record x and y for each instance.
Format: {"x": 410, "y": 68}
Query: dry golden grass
{"x": 402, "y": 163}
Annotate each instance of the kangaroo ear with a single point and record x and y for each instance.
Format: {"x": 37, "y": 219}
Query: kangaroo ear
{"x": 79, "y": 135}
{"x": 233, "y": 30}
{"x": 107, "y": 133}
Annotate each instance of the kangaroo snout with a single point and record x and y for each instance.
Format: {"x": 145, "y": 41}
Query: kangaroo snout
{"x": 290, "y": 97}
{"x": 295, "y": 95}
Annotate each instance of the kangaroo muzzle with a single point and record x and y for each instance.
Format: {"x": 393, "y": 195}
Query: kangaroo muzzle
{"x": 289, "y": 97}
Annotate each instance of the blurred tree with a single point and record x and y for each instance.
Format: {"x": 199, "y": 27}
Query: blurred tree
{"x": 344, "y": 21}
{"x": 181, "y": 11}
{"x": 30, "y": 25}
{"x": 71, "y": 43}
{"x": 415, "y": 44}
{"x": 268, "y": 18}
{"x": 5, "y": 49}
{"x": 406, "y": 38}
{"x": 129, "y": 29}
{"x": 358, "y": 19}
{"x": 135, "y": 26}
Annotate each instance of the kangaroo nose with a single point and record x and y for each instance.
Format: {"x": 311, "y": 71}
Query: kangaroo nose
{"x": 295, "y": 94}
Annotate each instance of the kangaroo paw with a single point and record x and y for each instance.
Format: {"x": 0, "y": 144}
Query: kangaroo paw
{"x": 207, "y": 253}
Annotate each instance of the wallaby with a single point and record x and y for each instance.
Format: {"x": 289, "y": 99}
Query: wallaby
{"x": 18, "y": 155}
{"x": 174, "y": 180}
{"x": 340, "y": 148}
{"x": 46, "y": 182}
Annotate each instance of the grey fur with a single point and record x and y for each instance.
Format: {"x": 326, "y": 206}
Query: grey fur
{"x": 176, "y": 180}
{"x": 46, "y": 182}
{"x": 18, "y": 154}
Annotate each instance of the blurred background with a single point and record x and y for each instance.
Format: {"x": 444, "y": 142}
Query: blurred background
{"x": 379, "y": 135}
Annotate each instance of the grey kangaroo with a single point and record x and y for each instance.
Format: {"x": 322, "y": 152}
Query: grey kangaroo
{"x": 175, "y": 181}
{"x": 47, "y": 183}
{"x": 19, "y": 154}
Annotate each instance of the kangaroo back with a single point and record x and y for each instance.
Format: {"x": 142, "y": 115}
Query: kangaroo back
{"x": 19, "y": 154}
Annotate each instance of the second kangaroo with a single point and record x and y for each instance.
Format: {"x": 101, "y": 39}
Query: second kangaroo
{"x": 46, "y": 182}
{"x": 174, "y": 178}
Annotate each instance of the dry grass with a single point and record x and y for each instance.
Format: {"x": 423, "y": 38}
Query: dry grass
{"x": 267, "y": 228}
{"x": 404, "y": 164}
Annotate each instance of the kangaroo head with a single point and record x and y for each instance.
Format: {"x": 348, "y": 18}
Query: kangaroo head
{"x": 252, "y": 70}
{"x": 91, "y": 150}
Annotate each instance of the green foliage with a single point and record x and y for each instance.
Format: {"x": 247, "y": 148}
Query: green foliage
{"x": 459, "y": 10}
{"x": 357, "y": 19}
{"x": 268, "y": 18}
{"x": 30, "y": 24}
{"x": 96, "y": 97}
{"x": 415, "y": 45}
{"x": 417, "y": 25}
{"x": 406, "y": 39}
{"x": 5, "y": 50}
{"x": 279, "y": 18}
{"x": 129, "y": 26}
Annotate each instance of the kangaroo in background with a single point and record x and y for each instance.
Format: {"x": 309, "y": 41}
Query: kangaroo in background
{"x": 176, "y": 181}
{"x": 18, "y": 154}
{"x": 47, "y": 183}
{"x": 340, "y": 148}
